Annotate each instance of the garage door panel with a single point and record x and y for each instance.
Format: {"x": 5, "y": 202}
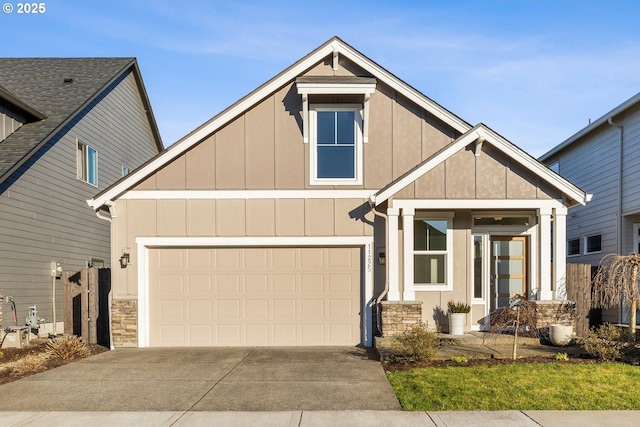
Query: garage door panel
{"x": 254, "y": 296}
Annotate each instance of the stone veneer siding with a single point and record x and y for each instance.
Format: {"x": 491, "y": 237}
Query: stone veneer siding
{"x": 124, "y": 322}
{"x": 399, "y": 316}
{"x": 556, "y": 312}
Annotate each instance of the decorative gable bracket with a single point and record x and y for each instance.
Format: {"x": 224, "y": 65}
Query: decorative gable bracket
{"x": 335, "y": 86}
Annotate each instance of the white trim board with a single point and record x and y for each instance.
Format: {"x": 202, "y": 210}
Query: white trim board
{"x": 245, "y": 194}
{"x": 146, "y": 243}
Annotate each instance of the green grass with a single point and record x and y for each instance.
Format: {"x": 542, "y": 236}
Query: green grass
{"x": 550, "y": 386}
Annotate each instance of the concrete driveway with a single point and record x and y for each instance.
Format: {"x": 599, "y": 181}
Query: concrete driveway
{"x": 209, "y": 379}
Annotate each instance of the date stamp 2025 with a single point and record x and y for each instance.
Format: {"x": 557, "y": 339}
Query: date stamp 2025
{"x": 24, "y": 8}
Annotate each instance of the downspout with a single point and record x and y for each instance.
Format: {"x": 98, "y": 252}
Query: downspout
{"x": 112, "y": 212}
{"x": 384, "y": 292}
{"x": 619, "y": 236}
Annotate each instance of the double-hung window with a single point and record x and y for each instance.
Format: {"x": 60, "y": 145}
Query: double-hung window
{"x": 336, "y": 145}
{"x": 87, "y": 164}
{"x": 431, "y": 258}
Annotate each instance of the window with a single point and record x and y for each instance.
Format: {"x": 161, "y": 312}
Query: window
{"x": 125, "y": 171}
{"x": 593, "y": 244}
{"x": 336, "y": 153}
{"x": 87, "y": 160}
{"x": 430, "y": 251}
{"x": 555, "y": 166}
{"x": 478, "y": 267}
{"x": 573, "y": 247}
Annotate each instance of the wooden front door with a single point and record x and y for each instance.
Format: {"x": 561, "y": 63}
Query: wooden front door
{"x": 508, "y": 269}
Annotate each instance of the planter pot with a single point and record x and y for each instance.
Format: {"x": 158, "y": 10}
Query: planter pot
{"x": 560, "y": 335}
{"x": 456, "y": 323}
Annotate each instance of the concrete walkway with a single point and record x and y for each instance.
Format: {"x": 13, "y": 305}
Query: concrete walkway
{"x": 324, "y": 419}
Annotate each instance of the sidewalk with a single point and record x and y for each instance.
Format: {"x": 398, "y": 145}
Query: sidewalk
{"x": 325, "y": 419}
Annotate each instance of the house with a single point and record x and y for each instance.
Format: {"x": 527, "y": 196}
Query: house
{"x": 604, "y": 159}
{"x": 288, "y": 217}
{"x": 69, "y": 127}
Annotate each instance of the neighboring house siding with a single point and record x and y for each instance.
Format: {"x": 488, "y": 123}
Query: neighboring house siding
{"x": 10, "y": 120}
{"x": 43, "y": 205}
{"x": 631, "y": 161}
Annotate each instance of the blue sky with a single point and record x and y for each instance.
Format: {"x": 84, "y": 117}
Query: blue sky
{"x": 534, "y": 71}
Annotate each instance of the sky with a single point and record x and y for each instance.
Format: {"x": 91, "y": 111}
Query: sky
{"x": 534, "y": 71}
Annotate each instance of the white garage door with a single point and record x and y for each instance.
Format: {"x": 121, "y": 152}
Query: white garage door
{"x": 254, "y": 296}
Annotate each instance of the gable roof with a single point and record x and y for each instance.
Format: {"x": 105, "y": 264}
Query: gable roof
{"x": 481, "y": 134}
{"x": 336, "y": 47}
{"x": 592, "y": 126}
{"x": 53, "y": 91}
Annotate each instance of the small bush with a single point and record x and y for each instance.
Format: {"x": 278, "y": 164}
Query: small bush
{"x": 605, "y": 343}
{"x": 460, "y": 359}
{"x": 416, "y": 344}
{"x": 562, "y": 357}
{"x": 68, "y": 347}
{"x": 29, "y": 364}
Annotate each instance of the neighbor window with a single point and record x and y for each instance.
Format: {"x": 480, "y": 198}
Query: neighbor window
{"x": 430, "y": 251}
{"x": 593, "y": 244}
{"x": 336, "y": 145}
{"x": 125, "y": 171}
{"x": 573, "y": 247}
{"x": 87, "y": 160}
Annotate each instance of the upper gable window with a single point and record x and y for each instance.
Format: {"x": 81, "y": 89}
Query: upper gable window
{"x": 336, "y": 145}
{"x": 87, "y": 164}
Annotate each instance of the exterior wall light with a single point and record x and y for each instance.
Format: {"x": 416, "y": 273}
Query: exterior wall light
{"x": 124, "y": 260}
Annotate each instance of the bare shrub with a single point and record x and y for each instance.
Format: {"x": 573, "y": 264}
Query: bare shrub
{"x": 415, "y": 345}
{"x": 29, "y": 364}
{"x": 67, "y": 347}
{"x": 606, "y": 342}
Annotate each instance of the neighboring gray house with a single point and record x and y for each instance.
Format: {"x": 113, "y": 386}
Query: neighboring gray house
{"x": 603, "y": 159}
{"x": 69, "y": 127}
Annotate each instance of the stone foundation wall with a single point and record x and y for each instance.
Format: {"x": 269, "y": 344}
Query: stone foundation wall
{"x": 560, "y": 312}
{"x": 399, "y": 316}
{"x": 124, "y": 322}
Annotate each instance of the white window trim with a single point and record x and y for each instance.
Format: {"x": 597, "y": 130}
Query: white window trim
{"x": 85, "y": 163}
{"x": 410, "y": 285}
{"x": 585, "y": 246}
{"x": 313, "y": 173}
{"x": 579, "y": 247}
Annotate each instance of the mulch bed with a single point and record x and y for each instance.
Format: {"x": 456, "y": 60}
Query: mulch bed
{"x": 35, "y": 347}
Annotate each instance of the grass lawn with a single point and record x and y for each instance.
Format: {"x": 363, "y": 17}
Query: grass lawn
{"x": 521, "y": 386}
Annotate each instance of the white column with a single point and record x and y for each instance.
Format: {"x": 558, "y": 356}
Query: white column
{"x": 392, "y": 255}
{"x": 559, "y": 252}
{"x": 544, "y": 292}
{"x": 408, "y": 293}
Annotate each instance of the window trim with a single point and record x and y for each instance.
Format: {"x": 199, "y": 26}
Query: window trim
{"x": 83, "y": 159}
{"x": 448, "y": 253}
{"x": 586, "y": 243}
{"x": 313, "y": 146}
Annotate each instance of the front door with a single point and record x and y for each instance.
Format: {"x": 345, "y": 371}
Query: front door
{"x": 508, "y": 270}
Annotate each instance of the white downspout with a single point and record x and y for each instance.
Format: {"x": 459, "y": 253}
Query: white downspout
{"x": 112, "y": 211}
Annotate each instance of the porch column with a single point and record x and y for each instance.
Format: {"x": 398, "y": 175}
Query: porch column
{"x": 545, "y": 293}
{"x": 393, "y": 255}
{"x": 559, "y": 252}
{"x": 408, "y": 293}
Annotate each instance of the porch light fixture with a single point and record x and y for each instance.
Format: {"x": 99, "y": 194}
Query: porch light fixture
{"x": 382, "y": 258}
{"x": 124, "y": 260}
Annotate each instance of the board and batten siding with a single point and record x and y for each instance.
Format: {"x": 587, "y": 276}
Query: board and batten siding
{"x": 43, "y": 206}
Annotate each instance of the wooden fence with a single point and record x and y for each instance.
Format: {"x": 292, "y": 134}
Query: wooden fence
{"x": 579, "y": 290}
{"x": 86, "y": 306}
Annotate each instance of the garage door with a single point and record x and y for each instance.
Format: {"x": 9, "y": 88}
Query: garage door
{"x": 254, "y": 296}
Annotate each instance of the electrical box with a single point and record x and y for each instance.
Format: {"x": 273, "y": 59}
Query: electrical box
{"x": 56, "y": 269}
{"x": 17, "y": 337}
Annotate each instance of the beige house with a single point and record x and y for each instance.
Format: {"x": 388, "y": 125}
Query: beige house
{"x": 287, "y": 218}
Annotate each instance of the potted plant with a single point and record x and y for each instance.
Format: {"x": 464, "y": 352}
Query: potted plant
{"x": 457, "y": 313}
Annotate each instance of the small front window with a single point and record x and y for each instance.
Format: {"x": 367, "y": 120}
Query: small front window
{"x": 87, "y": 164}
{"x": 430, "y": 251}
{"x": 335, "y": 149}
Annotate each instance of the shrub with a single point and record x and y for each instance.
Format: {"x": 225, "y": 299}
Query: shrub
{"x": 416, "y": 344}
{"x": 459, "y": 359}
{"x": 562, "y": 356}
{"x": 605, "y": 343}
{"x": 29, "y": 364}
{"x": 68, "y": 347}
